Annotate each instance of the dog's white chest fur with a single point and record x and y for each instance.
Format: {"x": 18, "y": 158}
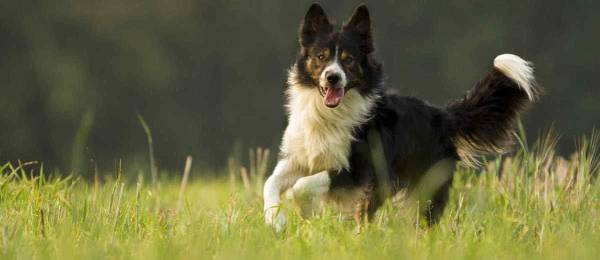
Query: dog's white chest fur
{"x": 318, "y": 138}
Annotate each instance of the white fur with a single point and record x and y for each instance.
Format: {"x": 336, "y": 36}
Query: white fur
{"x": 317, "y": 139}
{"x": 312, "y": 186}
{"x": 518, "y": 70}
{"x": 283, "y": 177}
{"x": 309, "y": 191}
{"x": 334, "y": 67}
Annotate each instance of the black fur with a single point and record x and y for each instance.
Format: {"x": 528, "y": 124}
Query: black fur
{"x": 484, "y": 119}
{"x": 355, "y": 37}
{"x": 415, "y": 136}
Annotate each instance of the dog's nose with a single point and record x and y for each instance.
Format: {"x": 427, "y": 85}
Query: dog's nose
{"x": 333, "y": 78}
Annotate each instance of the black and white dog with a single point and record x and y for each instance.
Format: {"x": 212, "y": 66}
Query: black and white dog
{"x": 350, "y": 140}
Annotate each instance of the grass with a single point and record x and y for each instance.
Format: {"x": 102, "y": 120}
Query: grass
{"x": 533, "y": 204}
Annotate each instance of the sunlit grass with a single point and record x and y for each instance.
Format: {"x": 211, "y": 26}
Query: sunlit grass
{"x": 533, "y": 204}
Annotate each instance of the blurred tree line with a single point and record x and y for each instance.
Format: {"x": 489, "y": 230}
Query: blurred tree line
{"x": 208, "y": 76}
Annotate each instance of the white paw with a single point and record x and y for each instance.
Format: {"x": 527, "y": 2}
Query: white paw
{"x": 275, "y": 217}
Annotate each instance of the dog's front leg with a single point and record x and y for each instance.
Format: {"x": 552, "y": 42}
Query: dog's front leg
{"x": 283, "y": 177}
{"x": 310, "y": 188}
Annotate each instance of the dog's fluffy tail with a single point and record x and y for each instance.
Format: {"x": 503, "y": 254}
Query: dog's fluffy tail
{"x": 485, "y": 117}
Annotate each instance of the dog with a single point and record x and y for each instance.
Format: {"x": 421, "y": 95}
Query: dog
{"x": 351, "y": 140}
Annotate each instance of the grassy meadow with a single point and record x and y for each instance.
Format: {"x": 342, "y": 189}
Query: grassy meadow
{"x": 533, "y": 204}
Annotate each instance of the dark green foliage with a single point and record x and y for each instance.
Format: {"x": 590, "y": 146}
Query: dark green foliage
{"x": 208, "y": 74}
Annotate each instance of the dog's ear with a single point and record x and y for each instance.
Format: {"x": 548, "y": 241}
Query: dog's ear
{"x": 360, "y": 24}
{"x": 315, "y": 23}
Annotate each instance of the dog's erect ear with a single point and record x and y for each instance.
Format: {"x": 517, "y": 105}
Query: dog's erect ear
{"x": 360, "y": 24}
{"x": 315, "y": 22}
{"x": 360, "y": 21}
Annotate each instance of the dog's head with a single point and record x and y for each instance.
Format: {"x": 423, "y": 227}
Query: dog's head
{"x": 334, "y": 61}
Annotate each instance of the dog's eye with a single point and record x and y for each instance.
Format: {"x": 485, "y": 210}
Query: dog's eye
{"x": 321, "y": 57}
{"x": 349, "y": 60}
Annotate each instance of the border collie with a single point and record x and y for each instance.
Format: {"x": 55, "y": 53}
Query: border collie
{"x": 350, "y": 140}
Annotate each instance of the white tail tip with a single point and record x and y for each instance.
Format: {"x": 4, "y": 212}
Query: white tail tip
{"x": 517, "y": 69}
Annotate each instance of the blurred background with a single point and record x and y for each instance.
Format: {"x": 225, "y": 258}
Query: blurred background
{"x": 208, "y": 76}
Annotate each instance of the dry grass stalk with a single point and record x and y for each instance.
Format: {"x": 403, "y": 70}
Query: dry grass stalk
{"x": 233, "y": 168}
{"x": 253, "y": 177}
{"x": 184, "y": 181}
{"x": 245, "y": 179}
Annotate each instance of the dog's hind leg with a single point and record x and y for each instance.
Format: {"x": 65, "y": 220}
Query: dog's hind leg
{"x": 438, "y": 203}
{"x": 433, "y": 190}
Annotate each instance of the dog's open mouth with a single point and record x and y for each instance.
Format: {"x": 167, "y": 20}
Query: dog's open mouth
{"x": 332, "y": 96}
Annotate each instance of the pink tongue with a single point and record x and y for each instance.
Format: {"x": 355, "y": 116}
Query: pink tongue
{"x": 333, "y": 96}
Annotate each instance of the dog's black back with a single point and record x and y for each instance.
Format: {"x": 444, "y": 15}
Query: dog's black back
{"x": 414, "y": 136}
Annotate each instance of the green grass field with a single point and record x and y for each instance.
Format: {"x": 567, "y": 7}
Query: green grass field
{"x": 531, "y": 205}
